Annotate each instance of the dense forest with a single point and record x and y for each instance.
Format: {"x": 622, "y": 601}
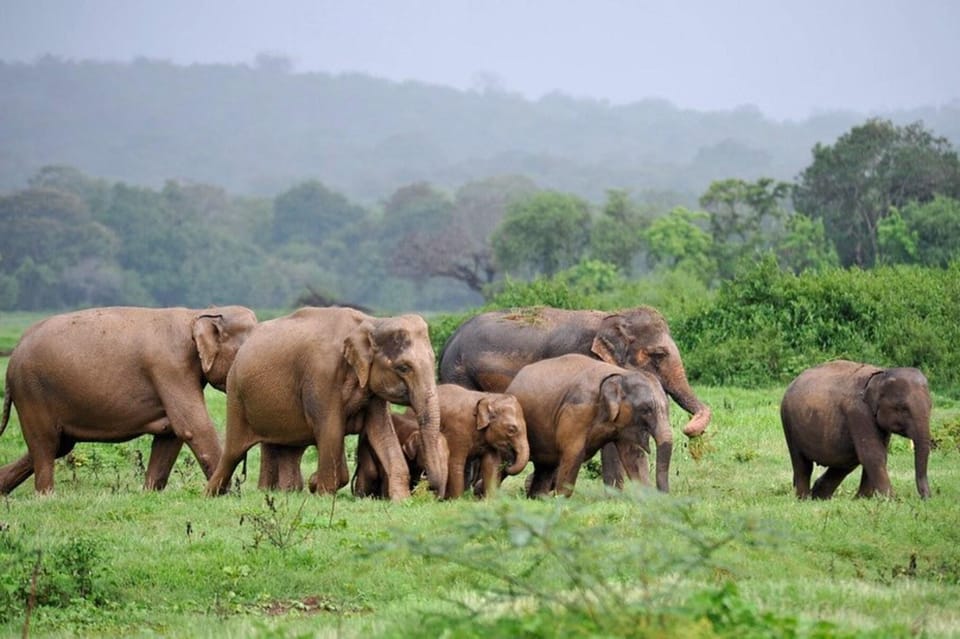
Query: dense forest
{"x": 149, "y": 183}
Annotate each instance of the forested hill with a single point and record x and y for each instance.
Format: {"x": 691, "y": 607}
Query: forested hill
{"x": 259, "y": 129}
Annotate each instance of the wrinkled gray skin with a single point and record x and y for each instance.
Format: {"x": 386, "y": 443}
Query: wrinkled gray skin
{"x": 488, "y": 428}
{"x": 574, "y": 405}
{"x": 112, "y": 374}
{"x": 841, "y": 414}
{"x": 487, "y": 351}
{"x": 319, "y": 374}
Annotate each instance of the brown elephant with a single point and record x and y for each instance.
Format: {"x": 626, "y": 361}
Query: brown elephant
{"x": 319, "y": 374}
{"x": 574, "y": 405}
{"x": 112, "y": 374}
{"x": 487, "y": 351}
{"x": 841, "y": 414}
{"x": 486, "y": 427}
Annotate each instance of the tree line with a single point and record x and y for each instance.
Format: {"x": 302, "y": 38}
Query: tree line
{"x": 880, "y": 194}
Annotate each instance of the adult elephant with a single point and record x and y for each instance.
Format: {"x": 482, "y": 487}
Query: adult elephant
{"x": 841, "y": 414}
{"x": 487, "y": 428}
{"x": 574, "y": 405}
{"x": 112, "y": 374}
{"x": 487, "y": 351}
{"x": 319, "y": 374}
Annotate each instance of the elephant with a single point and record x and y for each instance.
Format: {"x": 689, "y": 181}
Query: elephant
{"x": 574, "y": 405}
{"x": 840, "y": 415}
{"x": 319, "y": 374}
{"x": 112, "y": 374}
{"x": 487, "y": 427}
{"x": 486, "y": 351}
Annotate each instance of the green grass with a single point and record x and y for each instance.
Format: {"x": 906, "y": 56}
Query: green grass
{"x": 181, "y": 565}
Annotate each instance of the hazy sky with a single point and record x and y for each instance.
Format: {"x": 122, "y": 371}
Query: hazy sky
{"x": 789, "y": 58}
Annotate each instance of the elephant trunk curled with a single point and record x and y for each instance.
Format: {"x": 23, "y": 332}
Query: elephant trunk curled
{"x": 674, "y": 379}
{"x": 522, "y": 450}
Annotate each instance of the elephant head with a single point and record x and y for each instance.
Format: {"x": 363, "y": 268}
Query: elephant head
{"x": 899, "y": 398}
{"x": 502, "y": 426}
{"x": 639, "y": 339}
{"x": 636, "y": 401}
{"x": 394, "y": 357}
{"x": 218, "y": 334}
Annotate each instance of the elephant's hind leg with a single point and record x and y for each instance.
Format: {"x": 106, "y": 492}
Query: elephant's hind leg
{"x": 239, "y": 439}
{"x": 828, "y": 482}
{"x": 15, "y": 473}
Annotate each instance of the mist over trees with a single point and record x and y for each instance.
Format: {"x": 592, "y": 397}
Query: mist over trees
{"x": 154, "y": 184}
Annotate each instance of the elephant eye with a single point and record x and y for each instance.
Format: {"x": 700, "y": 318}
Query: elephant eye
{"x": 402, "y": 369}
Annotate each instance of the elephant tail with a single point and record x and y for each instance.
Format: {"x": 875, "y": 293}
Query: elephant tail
{"x": 7, "y": 402}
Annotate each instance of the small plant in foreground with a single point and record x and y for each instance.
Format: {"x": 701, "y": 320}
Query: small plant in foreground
{"x": 281, "y": 525}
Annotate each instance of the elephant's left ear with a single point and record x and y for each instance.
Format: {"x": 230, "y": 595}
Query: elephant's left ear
{"x": 610, "y": 342}
{"x": 611, "y": 396}
{"x": 358, "y": 351}
{"x": 207, "y": 334}
{"x": 485, "y": 412}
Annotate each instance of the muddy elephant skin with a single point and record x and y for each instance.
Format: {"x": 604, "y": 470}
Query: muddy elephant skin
{"x": 841, "y": 414}
{"x": 112, "y": 374}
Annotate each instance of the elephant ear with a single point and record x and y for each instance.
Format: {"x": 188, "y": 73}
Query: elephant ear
{"x": 358, "y": 351}
{"x": 611, "y": 396}
{"x": 485, "y": 413}
{"x": 611, "y": 342}
{"x": 411, "y": 447}
{"x": 207, "y": 335}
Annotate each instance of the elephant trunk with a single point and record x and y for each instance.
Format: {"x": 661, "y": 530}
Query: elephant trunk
{"x": 432, "y": 456}
{"x": 664, "y": 439}
{"x": 921, "y": 451}
{"x": 674, "y": 380}
{"x": 522, "y": 450}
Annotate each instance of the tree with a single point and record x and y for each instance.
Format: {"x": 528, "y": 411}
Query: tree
{"x": 542, "y": 234}
{"x": 853, "y": 184}
{"x": 746, "y": 218}
{"x": 677, "y": 241}
{"x": 460, "y": 249}
{"x": 616, "y": 236}
{"x": 309, "y": 212}
{"x": 936, "y": 227}
{"x": 805, "y": 246}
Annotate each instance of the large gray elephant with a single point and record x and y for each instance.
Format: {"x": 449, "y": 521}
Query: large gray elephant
{"x": 841, "y": 414}
{"x": 488, "y": 350}
{"x": 112, "y": 374}
{"x": 574, "y": 405}
{"x": 319, "y": 374}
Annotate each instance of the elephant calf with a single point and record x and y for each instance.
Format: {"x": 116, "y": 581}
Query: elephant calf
{"x": 841, "y": 414}
{"x": 488, "y": 428}
{"x": 574, "y": 405}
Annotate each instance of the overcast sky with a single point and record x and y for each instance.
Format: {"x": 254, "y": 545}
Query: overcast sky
{"x": 789, "y": 58}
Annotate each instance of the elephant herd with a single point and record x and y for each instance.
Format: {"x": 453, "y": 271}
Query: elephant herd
{"x": 542, "y": 385}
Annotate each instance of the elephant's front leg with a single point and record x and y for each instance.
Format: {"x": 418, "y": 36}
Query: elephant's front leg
{"x": 634, "y": 460}
{"x": 163, "y": 455}
{"x": 456, "y": 475}
{"x": 490, "y": 464}
{"x": 567, "y": 470}
{"x": 366, "y": 478}
{"x": 190, "y": 422}
{"x": 383, "y": 438}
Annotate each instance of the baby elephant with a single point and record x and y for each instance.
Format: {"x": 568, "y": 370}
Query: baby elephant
{"x": 575, "y": 404}
{"x": 485, "y": 427}
{"x": 840, "y": 415}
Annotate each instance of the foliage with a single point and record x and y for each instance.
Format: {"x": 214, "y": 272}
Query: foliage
{"x": 852, "y": 184}
{"x": 922, "y": 233}
{"x": 768, "y": 325}
{"x": 542, "y": 234}
{"x": 677, "y": 241}
{"x": 617, "y": 235}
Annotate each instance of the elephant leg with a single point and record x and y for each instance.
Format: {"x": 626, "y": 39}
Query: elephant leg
{"x": 15, "y": 473}
{"x": 456, "y": 476}
{"x": 366, "y": 478}
{"x": 280, "y": 467}
{"x": 43, "y": 445}
{"x": 828, "y": 482}
{"x": 633, "y": 459}
{"x": 490, "y": 472}
{"x": 567, "y": 471}
{"x": 802, "y": 471}
{"x": 611, "y": 466}
{"x": 383, "y": 438}
{"x": 239, "y": 439}
{"x": 542, "y": 481}
{"x": 869, "y": 486}
{"x": 163, "y": 455}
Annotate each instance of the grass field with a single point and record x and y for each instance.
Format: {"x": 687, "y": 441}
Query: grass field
{"x": 730, "y": 552}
